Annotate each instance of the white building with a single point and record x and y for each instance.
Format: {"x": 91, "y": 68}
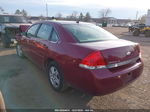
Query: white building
{"x": 148, "y": 18}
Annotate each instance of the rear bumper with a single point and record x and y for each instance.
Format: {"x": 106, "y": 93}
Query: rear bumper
{"x": 103, "y": 81}
{"x": 119, "y": 80}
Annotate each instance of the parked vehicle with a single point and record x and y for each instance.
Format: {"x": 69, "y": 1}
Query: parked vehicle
{"x": 145, "y": 31}
{"x": 9, "y": 27}
{"x": 82, "y": 55}
{"x": 115, "y": 25}
{"x": 137, "y": 26}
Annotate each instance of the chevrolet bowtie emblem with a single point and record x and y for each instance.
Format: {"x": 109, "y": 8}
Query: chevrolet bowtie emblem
{"x": 128, "y": 53}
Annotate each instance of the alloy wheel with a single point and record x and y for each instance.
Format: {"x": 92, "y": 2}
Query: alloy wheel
{"x": 54, "y": 77}
{"x": 19, "y": 51}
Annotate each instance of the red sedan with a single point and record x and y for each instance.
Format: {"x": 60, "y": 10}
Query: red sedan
{"x": 82, "y": 55}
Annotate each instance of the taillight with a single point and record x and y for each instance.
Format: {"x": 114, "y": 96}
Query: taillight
{"x": 93, "y": 61}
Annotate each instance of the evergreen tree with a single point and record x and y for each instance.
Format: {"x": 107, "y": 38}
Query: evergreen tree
{"x": 87, "y": 17}
{"x": 81, "y": 17}
{"x": 18, "y": 11}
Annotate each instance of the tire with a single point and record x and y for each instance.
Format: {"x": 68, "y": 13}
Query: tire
{"x": 147, "y": 33}
{"x": 4, "y": 42}
{"x": 56, "y": 78}
{"x": 19, "y": 51}
{"x": 136, "y": 33}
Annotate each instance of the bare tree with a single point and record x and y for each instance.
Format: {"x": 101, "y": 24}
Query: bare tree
{"x": 58, "y": 15}
{"x": 41, "y": 17}
{"x": 142, "y": 19}
{"x": 73, "y": 16}
{"x": 24, "y": 13}
{"x": 1, "y": 9}
{"x": 104, "y": 13}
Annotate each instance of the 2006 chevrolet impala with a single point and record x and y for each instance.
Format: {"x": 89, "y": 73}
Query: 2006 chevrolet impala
{"x": 81, "y": 55}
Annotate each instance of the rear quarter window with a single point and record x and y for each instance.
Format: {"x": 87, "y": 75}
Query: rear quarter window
{"x": 54, "y": 36}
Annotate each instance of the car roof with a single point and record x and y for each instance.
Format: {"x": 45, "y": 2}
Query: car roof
{"x": 64, "y": 22}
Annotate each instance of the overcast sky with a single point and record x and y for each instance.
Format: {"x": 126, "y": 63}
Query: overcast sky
{"x": 119, "y": 8}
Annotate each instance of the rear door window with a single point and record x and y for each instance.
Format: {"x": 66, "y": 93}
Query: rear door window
{"x": 32, "y": 30}
{"x": 44, "y": 31}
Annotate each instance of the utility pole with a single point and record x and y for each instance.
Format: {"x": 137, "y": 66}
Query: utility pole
{"x": 137, "y": 13}
{"x": 46, "y": 8}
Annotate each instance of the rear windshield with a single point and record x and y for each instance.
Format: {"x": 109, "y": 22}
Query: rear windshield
{"x": 88, "y": 32}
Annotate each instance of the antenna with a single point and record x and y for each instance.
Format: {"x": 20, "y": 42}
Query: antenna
{"x": 78, "y": 21}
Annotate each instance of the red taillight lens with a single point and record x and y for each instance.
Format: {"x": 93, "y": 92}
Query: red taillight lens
{"x": 93, "y": 61}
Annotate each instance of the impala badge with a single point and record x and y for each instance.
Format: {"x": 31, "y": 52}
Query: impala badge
{"x": 128, "y": 53}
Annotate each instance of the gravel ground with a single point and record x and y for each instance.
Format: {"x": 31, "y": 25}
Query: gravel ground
{"x": 25, "y": 86}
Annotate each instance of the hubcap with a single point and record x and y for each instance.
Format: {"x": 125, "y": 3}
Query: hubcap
{"x": 19, "y": 50}
{"x": 54, "y": 76}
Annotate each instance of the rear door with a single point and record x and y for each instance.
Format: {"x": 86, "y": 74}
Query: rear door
{"x": 27, "y": 40}
{"x": 42, "y": 44}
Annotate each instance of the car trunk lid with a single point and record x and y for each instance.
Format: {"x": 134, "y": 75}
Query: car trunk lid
{"x": 120, "y": 54}
{"x": 115, "y": 51}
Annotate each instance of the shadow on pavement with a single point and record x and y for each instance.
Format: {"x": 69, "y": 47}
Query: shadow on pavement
{"x": 26, "y": 86}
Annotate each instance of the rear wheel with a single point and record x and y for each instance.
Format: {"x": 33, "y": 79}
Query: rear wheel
{"x": 19, "y": 51}
{"x": 56, "y": 78}
{"x": 136, "y": 33}
{"x": 147, "y": 33}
